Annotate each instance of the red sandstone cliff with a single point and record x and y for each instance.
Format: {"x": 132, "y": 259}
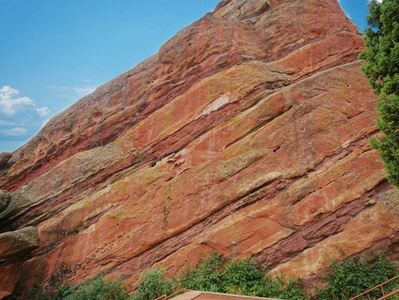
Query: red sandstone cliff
{"x": 246, "y": 133}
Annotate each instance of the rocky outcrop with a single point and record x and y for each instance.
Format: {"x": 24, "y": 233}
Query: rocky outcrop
{"x": 17, "y": 244}
{"x": 5, "y": 199}
{"x": 14, "y": 248}
{"x": 246, "y": 133}
{"x": 4, "y": 158}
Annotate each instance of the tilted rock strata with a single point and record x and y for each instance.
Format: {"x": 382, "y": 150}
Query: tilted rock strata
{"x": 5, "y": 199}
{"x": 207, "y": 47}
{"x": 16, "y": 244}
{"x": 14, "y": 248}
{"x": 250, "y": 137}
{"x": 4, "y": 158}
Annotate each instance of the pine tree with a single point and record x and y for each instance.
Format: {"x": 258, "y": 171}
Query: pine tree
{"x": 382, "y": 70}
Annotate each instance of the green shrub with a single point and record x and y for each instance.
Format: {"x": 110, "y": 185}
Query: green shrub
{"x": 242, "y": 275}
{"x": 41, "y": 292}
{"x": 99, "y": 289}
{"x": 93, "y": 289}
{"x": 281, "y": 287}
{"x": 352, "y": 277}
{"x": 216, "y": 273}
{"x": 153, "y": 285}
{"x": 206, "y": 275}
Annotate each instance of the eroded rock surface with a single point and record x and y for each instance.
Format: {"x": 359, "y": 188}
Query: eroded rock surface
{"x": 16, "y": 244}
{"x": 5, "y": 199}
{"x": 14, "y": 248}
{"x": 4, "y": 158}
{"x": 246, "y": 133}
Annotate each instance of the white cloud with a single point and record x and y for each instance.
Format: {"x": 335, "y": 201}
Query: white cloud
{"x": 20, "y": 118}
{"x": 17, "y": 131}
{"x": 7, "y": 123}
{"x": 10, "y": 103}
{"x": 43, "y": 112}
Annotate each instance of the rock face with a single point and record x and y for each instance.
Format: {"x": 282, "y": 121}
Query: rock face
{"x": 5, "y": 199}
{"x": 4, "y": 158}
{"x": 14, "y": 246}
{"x": 246, "y": 133}
{"x": 18, "y": 243}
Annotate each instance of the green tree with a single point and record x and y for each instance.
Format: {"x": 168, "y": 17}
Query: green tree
{"x": 382, "y": 70}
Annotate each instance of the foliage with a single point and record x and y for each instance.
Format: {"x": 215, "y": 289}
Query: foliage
{"x": 41, "y": 292}
{"x": 388, "y": 145}
{"x": 382, "y": 70}
{"x": 243, "y": 274}
{"x": 206, "y": 275}
{"x": 281, "y": 287}
{"x": 93, "y": 289}
{"x": 351, "y": 277}
{"x": 216, "y": 273}
{"x": 154, "y": 285}
{"x": 99, "y": 289}
{"x": 243, "y": 277}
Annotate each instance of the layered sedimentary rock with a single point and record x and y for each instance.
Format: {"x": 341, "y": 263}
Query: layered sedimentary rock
{"x": 4, "y": 158}
{"x": 18, "y": 243}
{"x": 246, "y": 133}
{"x": 5, "y": 199}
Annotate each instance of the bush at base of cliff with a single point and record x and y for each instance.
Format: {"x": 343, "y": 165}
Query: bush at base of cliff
{"x": 242, "y": 277}
{"x": 354, "y": 276}
{"x": 154, "y": 285}
{"x": 206, "y": 275}
{"x": 95, "y": 288}
{"x": 218, "y": 274}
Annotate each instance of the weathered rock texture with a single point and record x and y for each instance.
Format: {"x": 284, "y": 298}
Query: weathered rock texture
{"x": 5, "y": 199}
{"x": 14, "y": 247}
{"x": 18, "y": 243}
{"x": 246, "y": 133}
{"x": 4, "y": 158}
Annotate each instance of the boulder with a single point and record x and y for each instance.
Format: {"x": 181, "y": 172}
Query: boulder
{"x": 19, "y": 243}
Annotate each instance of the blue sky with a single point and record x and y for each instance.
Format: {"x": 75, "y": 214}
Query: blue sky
{"x": 53, "y": 52}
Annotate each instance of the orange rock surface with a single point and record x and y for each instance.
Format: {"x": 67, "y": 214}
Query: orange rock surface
{"x": 246, "y": 133}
